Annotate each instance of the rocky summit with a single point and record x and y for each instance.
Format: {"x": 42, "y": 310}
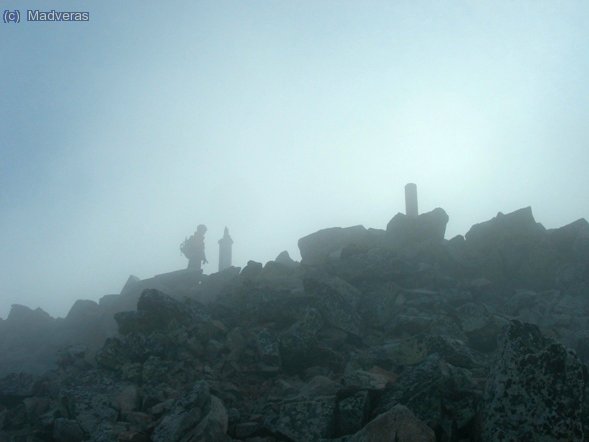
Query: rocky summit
{"x": 376, "y": 335}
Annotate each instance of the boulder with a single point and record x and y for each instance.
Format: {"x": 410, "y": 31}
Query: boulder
{"x": 251, "y": 270}
{"x": 569, "y": 239}
{"x": 24, "y": 317}
{"x": 513, "y": 248}
{"x": 267, "y": 347}
{"x": 397, "y": 424}
{"x": 305, "y": 420}
{"x": 504, "y": 227}
{"x": 211, "y": 286}
{"x": 352, "y": 412}
{"x": 195, "y": 416}
{"x": 326, "y": 244}
{"x": 337, "y": 301}
{"x": 428, "y": 227}
{"x": 82, "y": 313}
{"x": 535, "y": 390}
{"x": 298, "y": 344}
{"x": 67, "y": 430}
{"x": 284, "y": 259}
{"x": 17, "y": 386}
{"x": 130, "y": 285}
{"x": 155, "y": 311}
{"x": 440, "y": 394}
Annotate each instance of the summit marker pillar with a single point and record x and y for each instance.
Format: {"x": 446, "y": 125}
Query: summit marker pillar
{"x": 411, "y": 200}
{"x": 225, "y": 250}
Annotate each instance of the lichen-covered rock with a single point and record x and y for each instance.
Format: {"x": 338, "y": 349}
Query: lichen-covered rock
{"x": 17, "y": 386}
{"x": 535, "y": 389}
{"x": 445, "y": 397}
{"x": 67, "y": 430}
{"x": 155, "y": 311}
{"x": 267, "y": 347}
{"x": 305, "y": 420}
{"x": 352, "y": 412}
{"x": 395, "y": 425}
{"x": 336, "y": 300}
{"x": 196, "y": 416}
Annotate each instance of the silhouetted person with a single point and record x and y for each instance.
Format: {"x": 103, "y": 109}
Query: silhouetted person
{"x": 194, "y": 248}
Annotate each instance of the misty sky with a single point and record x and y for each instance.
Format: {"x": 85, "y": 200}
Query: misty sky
{"x": 274, "y": 118}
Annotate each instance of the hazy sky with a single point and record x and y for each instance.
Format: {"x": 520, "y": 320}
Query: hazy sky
{"x": 274, "y": 118}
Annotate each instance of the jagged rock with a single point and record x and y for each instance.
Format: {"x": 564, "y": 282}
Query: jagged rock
{"x": 17, "y": 386}
{"x": 155, "y": 311}
{"x": 445, "y": 397}
{"x": 480, "y": 326}
{"x": 428, "y": 227}
{"x": 318, "y": 386}
{"x": 352, "y": 412}
{"x": 134, "y": 347}
{"x": 504, "y": 227}
{"x": 327, "y": 244}
{"x": 305, "y": 420}
{"x": 23, "y": 315}
{"x": 83, "y": 311}
{"x": 535, "y": 389}
{"x": 371, "y": 267}
{"x": 368, "y": 380}
{"x": 211, "y": 286}
{"x": 262, "y": 304}
{"x": 67, "y": 430}
{"x": 268, "y": 348}
{"x": 251, "y": 270}
{"x": 398, "y": 424}
{"x": 572, "y": 239}
{"x": 196, "y": 416}
{"x": 298, "y": 344}
{"x": 284, "y": 259}
{"x": 73, "y": 356}
{"x": 127, "y": 400}
{"x": 112, "y": 355}
{"x": 336, "y": 300}
{"x": 130, "y": 285}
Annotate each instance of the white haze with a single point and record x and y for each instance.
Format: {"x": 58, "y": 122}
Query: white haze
{"x": 119, "y": 136}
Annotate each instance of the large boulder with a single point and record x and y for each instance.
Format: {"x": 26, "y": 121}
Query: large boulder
{"x": 307, "y": 412}
{"x": 299, "y": 344}
{"x": 440, "y": 394}
{"x": 504, "y": 227}
{"x": 427, "y": 227}
{"x": 155, "y": 311}
{"x": 197, "y": 415}
{"x": 82, "y": 313}
{"x": 26, "y": 318}
{"x": 397, "y": 424}
{"x": 513, "y": 248}
{"x": 571, "y": 239}
{"x": 326, "y": 244}
{"x": 306, "y": 420}
{"x": 535, "y": 390}
{"x": 336, "y": 300}
{"x": 284, "y": 259}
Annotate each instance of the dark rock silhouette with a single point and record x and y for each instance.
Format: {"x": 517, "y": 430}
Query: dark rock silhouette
{"x": 427, "y": 227}
{"x": 395, "y": 334}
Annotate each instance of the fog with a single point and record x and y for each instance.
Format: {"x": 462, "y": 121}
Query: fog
{"x": 276, "y": 119}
